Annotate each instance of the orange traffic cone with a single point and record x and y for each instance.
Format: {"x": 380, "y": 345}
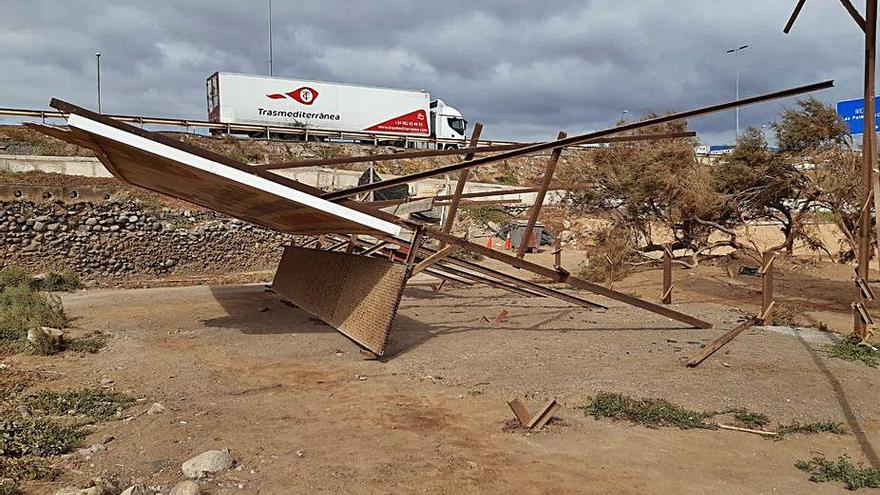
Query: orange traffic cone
{"x": 489, "y": 243}
{"x": 507, "y": 242}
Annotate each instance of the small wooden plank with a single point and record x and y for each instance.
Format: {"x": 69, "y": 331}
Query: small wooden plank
{"x": 721, "y": 341}
{"x": 519, "y": 410}
{"x": 543, "y": 416}
{"x": 747, "y": 430}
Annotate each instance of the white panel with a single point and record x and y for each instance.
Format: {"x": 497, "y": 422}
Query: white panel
{"x": 231, "y": 173}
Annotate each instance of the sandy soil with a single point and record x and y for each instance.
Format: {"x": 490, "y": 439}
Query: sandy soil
{"x": 430, "y": 418}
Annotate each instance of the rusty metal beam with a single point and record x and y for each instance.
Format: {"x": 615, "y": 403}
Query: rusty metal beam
{"x": 483, "y": 194}
{"x": 459, "y": 186}
{"x": 557, "y": 276}
{"x": 854, "y": 13}
{"x": 472, "y": 148}
{"x": 578, "y": 139}
{"x": 449, "y": 273}
{"x": 539, "y": 199}
{"x": 794, "y": 16}
{"x": 434, "y": 258}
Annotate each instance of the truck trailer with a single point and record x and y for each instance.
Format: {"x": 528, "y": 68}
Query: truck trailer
{"x": 367, "y": 113}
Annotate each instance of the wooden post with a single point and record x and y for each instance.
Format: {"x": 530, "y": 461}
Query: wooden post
{"x": 869, "y": 158}
{"x": 539, "y": 199}
{"x": 767, "y": 286}
{"x": 557, "y": 253}
{"x": 667, "y": 276}
{"x": 452, "y": 210}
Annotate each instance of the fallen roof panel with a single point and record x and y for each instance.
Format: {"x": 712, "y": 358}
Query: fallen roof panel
{"x": 159, "y": 166}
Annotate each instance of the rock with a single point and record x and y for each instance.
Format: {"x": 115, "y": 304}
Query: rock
{"x": 91, "y": 221}
{"x": 170, "y": 262}
{"x": 106, "y": 382}
{"x": 92, "y": 490}
{"x": 210, "y": 462}
{"x": 39, "y": 226}
{"x": 24, "y": 411}
{"x": 186, "y": 488}
{"x": 262, "y": 309}
{"x": 135, "y": 490}
{"x": 566, "y": 235}
{"x": 90, "y": 451}
{"x": 156, "y": 408}
{"x": 46, "y": 340}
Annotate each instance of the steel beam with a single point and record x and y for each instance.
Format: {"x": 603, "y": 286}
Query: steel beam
{"x": 452, "y": 210}
{"x": 557, "y": 276}
{"x": 539, "y": 200}
{"x": 578, "y": 139}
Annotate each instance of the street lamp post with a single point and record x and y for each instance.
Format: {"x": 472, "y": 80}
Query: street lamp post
{"x": 623, "y": 115}
{"x": 736, "y": 51}
{"x": 270, "y": 40}
{"x": 98, "y": 60}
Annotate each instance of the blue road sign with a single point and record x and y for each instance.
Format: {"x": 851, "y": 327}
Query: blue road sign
{"x": 853, "y": 113}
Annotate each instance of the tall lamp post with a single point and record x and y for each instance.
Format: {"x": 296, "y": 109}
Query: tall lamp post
{"x": 736, "y": 51}
{"x": 98, "y": 60}
{"x": 270, "y": 39}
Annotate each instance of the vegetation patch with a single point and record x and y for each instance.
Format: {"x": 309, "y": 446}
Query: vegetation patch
{"x": 854, "y": 476}
{"x": 486, "y": 214}
{"x": 28, "y": 468}
{"x": 818, "y": 427}
{"x": 9, "y": 487}
{"x": 849, "y": 349}
{"x": 65, "y": 281}
{"x": 21, "y": 308}
{"x": 89, "y": 345}
{"x": 749, "y": 419}
{"x": 94, "y": 403}
{"x": 655, "y": 413}
{"x": 652, "y": 413}
{"x": 20, "y": 437}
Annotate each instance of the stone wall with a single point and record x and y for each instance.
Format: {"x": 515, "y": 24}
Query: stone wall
{"x": 112, "y": 241}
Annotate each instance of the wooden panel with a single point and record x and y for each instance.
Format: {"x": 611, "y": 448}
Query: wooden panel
{"x": 357, "y": 295}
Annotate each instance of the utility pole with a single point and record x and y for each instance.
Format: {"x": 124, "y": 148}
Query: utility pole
{"x": 98, "y": 60}
{"x": 736, "y": 51}
{"x": 271, "y": 72}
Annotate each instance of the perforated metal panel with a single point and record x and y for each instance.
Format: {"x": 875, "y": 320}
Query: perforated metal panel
{"x": 356, "y": 295}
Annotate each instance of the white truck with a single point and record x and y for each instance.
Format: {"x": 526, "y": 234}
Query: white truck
{"x": 367, "y": 113}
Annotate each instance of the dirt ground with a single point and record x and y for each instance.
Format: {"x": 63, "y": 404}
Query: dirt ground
{"x": 303, "y": 412}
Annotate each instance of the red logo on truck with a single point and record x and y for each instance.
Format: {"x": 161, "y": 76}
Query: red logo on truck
{"x": 304, "y": 95}
{"x": 410, "y": 123}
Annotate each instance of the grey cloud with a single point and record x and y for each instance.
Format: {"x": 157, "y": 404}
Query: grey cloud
{"x": 526, "y": 69}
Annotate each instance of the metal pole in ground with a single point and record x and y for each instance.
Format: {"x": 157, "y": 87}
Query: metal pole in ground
{"x": 869, "y": 158}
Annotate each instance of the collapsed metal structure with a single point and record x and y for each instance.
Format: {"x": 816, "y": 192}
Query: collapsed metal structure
{"x": 356, "y": 282}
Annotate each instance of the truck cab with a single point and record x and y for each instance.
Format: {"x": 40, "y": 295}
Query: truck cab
{"x": 447, "y": 123}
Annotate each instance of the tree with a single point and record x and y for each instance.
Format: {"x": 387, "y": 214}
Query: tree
{"x": 646, "y": 185}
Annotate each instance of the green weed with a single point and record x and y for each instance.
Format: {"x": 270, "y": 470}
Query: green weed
{"x": 849, "y": 349}
{"x": 94, "y": 403}
{"x": 9, "y": 487}
{"x": 65, "y": 281}
{"x": 818, "y": 427}
{"x": 28, "y": 468}
{"x": 40, "y": 437}
{"x": 854, "y": 476}
{"x": 652, "y": 413}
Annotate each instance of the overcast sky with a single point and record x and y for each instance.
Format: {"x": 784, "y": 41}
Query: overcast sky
{"x": 524, "y": 68}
